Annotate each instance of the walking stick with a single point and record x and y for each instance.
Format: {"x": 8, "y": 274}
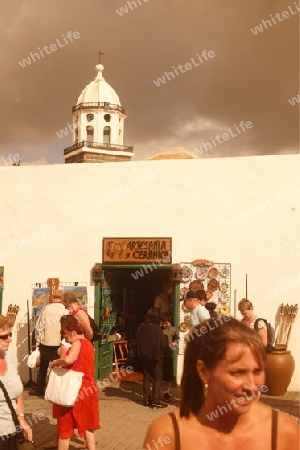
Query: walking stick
{"x": 279, "y": 326}
{"x": 286, "y": 322}
{"x": 294, "y": 310}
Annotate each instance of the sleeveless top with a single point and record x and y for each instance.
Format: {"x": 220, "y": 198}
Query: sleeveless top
{"x": 80, "y": 308}
{"x": 273, "y": 430}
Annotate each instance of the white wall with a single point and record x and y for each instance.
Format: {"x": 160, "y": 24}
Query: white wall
{"x": 193, "y": 201}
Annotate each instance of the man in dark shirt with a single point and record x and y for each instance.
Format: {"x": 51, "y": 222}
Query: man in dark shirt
{"x": 150, "y": 345}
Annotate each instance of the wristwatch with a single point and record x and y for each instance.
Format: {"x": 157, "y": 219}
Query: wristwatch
{"x": 20, "y": 415}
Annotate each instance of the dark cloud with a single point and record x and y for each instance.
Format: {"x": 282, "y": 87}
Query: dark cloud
{"x": 250, "y": 78}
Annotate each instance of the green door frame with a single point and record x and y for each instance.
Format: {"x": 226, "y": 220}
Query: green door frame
{"x": 176, "y": 297}
{"x": 97, "y": 320}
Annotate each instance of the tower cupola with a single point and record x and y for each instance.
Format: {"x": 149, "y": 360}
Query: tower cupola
{"x": 98, "y": 125}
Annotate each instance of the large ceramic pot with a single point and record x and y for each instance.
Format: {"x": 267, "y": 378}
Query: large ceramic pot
{"x": 280, "y": 366}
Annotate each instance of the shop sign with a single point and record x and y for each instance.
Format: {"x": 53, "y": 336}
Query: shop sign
{"x": 53, "y": 284}
{"x": 137, "y": 250}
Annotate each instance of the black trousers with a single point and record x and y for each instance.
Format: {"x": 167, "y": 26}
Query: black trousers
{"x": 151, "y": 369}
{"x": 48, "y": 354}
{"x": 8, "y": 442}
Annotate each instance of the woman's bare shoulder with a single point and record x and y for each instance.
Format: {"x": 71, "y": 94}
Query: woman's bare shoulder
{"x": 288, "y": 430}
{"x": 164, "y": 421}
{"x": 161, "y": 431}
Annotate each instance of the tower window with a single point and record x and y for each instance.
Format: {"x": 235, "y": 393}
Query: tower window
{"x": 107, "y": 117}
{"x": 89, "y": 117}
{"x": 106, "y": 135}
{"x": 90, "y": 133}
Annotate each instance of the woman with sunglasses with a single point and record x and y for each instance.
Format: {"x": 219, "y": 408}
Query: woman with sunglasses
{"x": 10, "y": 378}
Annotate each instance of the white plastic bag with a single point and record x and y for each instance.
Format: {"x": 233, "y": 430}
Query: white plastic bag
{"x": 34, "y": 359}
{"x": 63, "y": 386}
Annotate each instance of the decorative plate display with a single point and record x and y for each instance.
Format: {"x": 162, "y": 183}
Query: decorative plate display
{"x": 186, "y": 273}
{"x": 201, "y": 273}
{"x": 224, "y": 299}
{"x": 224, "y": 310}
{"x": 200, "y": 285}
{"x": 224, "y": 272}
{"x": 213, "y": 284}
{"x": 224, "y": 287}
{"x": 213, "y": 272}
{"x": 209, "y": 295}
{"x": 183, "y": 327}
{"x": 183, "y": 291}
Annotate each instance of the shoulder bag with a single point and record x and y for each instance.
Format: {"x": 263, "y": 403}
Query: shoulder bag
{"x": 21, "y": 442}
{"x": 63, "y": 386}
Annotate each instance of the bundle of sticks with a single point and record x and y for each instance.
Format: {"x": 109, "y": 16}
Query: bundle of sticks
{"x": 12, "y": 312}
{"x": 287, "y": 316}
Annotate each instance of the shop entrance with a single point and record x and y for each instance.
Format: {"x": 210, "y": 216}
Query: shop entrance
{"x": 123, "y": 297}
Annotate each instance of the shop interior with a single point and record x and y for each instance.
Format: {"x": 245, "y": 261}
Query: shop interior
{"x": 126, "y": 299}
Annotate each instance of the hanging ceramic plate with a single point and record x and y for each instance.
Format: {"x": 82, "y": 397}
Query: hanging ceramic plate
{"x": 200, "y": 285}
{"x": 224, "y": 310}
{"x": 183, "y": 327}
{"x": 201, "y": 273}
{"x": 224, "y": 287}
{"x": 209, "y": 295}
{"x": 224, "y": 299}
{"x": 183, "y": 291}
{"x": 186, "y": 274}
{"x": 213, "y": 284}
{"x": 213, "y": 272}
{"x": 224, "y": 272}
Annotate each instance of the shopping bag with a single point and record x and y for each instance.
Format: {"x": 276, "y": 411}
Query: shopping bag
{"x": 63, "y": 386}
{"x": 34, "y": 359}
{"x": 22, "y": 443}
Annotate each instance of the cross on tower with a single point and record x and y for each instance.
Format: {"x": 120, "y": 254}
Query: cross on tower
{"x": 100, "y": 54}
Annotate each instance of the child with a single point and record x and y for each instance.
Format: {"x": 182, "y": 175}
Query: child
{"x": 172, "y": 337}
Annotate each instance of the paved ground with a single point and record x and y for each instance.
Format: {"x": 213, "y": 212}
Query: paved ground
{"x": 124, "y": 420}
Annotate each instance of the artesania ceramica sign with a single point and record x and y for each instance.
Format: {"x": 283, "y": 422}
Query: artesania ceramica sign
{"x": 137, "y": 250}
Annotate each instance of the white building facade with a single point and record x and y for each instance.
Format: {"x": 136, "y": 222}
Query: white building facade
{"x": 240, "y": 211}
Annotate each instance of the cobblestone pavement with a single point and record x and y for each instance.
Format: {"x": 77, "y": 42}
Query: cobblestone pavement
{"x": 123, "y": 419}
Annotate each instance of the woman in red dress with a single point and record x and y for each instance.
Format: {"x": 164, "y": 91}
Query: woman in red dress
{"x": 84, "y": 415}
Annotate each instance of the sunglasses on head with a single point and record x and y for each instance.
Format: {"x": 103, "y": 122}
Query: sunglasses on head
{"x": 5, "y": 336}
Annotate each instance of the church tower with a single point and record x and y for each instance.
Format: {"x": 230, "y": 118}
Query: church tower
{"x": 98, "y": 125}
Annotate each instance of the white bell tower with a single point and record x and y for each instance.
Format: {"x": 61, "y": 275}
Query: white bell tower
{"x": 98, "y": 125}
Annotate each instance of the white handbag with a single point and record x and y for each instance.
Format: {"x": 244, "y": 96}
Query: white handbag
{"x": 34, "y": 359}
{"x": 63, "y": 386}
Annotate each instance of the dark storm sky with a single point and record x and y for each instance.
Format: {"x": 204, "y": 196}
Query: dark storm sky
{"x": 250, "y": 78}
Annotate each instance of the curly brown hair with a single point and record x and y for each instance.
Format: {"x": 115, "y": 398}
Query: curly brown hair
{"x": 210, "y": 346}
{"x": 4, "y": 323}
{"x": 70, "y": 323}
